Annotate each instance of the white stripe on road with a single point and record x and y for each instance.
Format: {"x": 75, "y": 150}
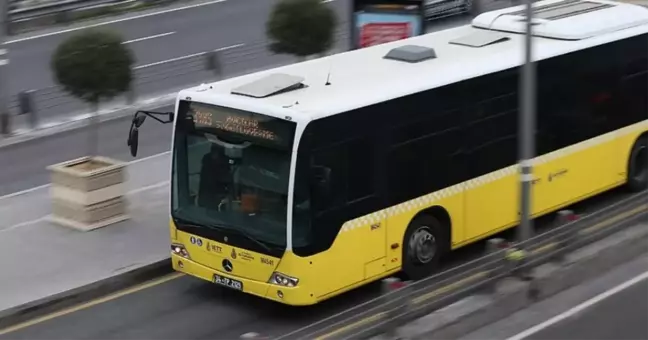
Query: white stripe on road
{"x": 148, "y": 38}
{"x": 581, "y": 307}
{"x": 170, "y": 10}
{"x": 26, "y": 191}
{"x": 44, "y": 218}
{"x": 186, "y": 57}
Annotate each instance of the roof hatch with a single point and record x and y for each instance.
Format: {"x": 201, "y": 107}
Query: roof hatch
{"x": 566, "y": 19}
{"x": 480, "y": 38}
{"x": 411, "y": 53}
{"x": 270, "y": 85}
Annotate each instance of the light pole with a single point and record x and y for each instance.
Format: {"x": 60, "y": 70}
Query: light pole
{"x": 4, "y": 113}
{"x": 527, "y": 129}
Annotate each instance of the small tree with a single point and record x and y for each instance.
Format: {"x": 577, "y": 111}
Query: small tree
{"x": 301, "y": 27}
{"x": 93, "y": 66}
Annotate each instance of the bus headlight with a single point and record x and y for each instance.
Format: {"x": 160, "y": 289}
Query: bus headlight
{"x": 283, "y": 280}
{"x": 180, "y": 250}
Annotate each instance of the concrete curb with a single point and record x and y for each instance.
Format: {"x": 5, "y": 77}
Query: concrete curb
{"x": 41, "y": 307}
{"x": 79, "y": 121}
{"x": 479, "y": 310}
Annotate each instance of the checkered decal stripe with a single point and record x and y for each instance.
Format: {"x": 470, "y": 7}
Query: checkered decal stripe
{"x": 428, "y": 200}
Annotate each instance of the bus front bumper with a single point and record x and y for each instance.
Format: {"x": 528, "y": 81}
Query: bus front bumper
{"x": 296, "y": 296}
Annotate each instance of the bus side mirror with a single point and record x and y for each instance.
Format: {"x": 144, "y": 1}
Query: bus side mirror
{"x": 139, "y": 120}
{"x": 133, "y": 140}
{"x": 133, "y": 134}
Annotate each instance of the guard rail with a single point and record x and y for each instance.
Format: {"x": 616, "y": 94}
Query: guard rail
{"x": 403, "y": 302}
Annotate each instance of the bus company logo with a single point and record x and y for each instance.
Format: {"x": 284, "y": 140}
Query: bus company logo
{"x": 227, "y": 265}
{"x": 215, "y": 248}
{"x": 233, "y": 253}
{"x": 246, "y": 256}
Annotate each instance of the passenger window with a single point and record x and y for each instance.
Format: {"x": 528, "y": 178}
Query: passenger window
{"x": 360, "y": 156}
{"x": 328, "y": 184}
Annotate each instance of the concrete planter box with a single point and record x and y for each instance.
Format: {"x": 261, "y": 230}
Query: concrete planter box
{"x": 88, "y": 193}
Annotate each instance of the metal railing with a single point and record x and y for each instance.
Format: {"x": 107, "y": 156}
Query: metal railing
{"x": 409, "y": 301}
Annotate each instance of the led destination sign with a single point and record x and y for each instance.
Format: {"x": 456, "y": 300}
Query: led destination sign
{"x": 246, "y": 125}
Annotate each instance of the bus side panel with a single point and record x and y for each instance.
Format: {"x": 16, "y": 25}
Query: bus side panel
{"x": 491, "y": 203}
{"x": 328, "y": 273}
{"x": 575, "y": 172}
{"x": 351, "y": 259}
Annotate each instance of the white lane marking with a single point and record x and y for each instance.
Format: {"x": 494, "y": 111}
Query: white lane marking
{"x": 24, "y": 224}
{"x": 148, "y": 38}
{"x": 580, "y": 307}
{"x": 170, "y": 10}
{"x": 185, "y": 57}
{"x": 26, "y": 191}
{"x": 148, "y": 187}
{"x": 131, "y": 192}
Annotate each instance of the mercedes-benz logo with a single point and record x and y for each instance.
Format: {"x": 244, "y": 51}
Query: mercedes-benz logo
{"x": 227, "y": 265}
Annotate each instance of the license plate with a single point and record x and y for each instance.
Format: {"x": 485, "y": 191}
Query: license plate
{"x": 227, "y": 282}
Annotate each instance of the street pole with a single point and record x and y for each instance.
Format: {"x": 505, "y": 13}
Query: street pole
{"x": 527, "y": 129}
{"x": 4, "y": 60}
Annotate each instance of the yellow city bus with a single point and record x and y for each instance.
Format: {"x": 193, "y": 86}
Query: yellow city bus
{"x": 301, "y": 182}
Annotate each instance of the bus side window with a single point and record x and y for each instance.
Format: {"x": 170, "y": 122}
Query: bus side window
{"x": 360, "y": 174}
{"x": 329, "y": 161}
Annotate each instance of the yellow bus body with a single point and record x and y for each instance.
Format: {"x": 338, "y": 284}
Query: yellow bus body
{"x": 365, "y": 248}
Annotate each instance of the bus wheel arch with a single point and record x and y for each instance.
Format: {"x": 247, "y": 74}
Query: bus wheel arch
{"x": 426, "y": 240}
{"x": 638, "y": 164}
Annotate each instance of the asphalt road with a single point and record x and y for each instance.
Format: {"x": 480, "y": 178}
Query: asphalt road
{"x": 157, "y": 41}
{"x": 613, "y": 305}
{"x": 24, "y": 165}
{"x": 621, "y": 316}
{"x": 188, "y": 308}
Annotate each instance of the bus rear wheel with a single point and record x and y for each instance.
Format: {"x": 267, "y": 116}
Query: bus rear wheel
{"x": 422, "y": 247}
{"x": 638, "y": 165}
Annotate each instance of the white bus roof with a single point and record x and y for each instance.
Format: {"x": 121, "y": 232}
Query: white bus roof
{"x": 363, "y": 77}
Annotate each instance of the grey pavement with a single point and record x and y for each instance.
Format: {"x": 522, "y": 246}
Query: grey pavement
{"x": 41, "y": 259}
{"x": 157, "y": 38}
{"x": 621, "y": 316}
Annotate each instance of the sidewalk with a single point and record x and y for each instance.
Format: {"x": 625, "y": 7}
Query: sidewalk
{"x": 40, "y": 259}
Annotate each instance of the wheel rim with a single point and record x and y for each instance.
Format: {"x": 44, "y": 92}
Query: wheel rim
{"x": 640, "y": 168}
{"x": 422, "y": 245}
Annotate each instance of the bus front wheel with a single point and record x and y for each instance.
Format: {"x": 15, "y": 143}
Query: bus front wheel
{"x": 638, "y": 165}
{"x": 422, "y": 247}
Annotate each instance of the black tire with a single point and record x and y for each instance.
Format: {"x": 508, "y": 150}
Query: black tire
{"x": 638, "y": 166}
{"x": 417, "y": 262}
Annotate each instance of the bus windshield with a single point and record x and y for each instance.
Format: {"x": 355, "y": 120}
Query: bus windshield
{"x": 231, "y": 171}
